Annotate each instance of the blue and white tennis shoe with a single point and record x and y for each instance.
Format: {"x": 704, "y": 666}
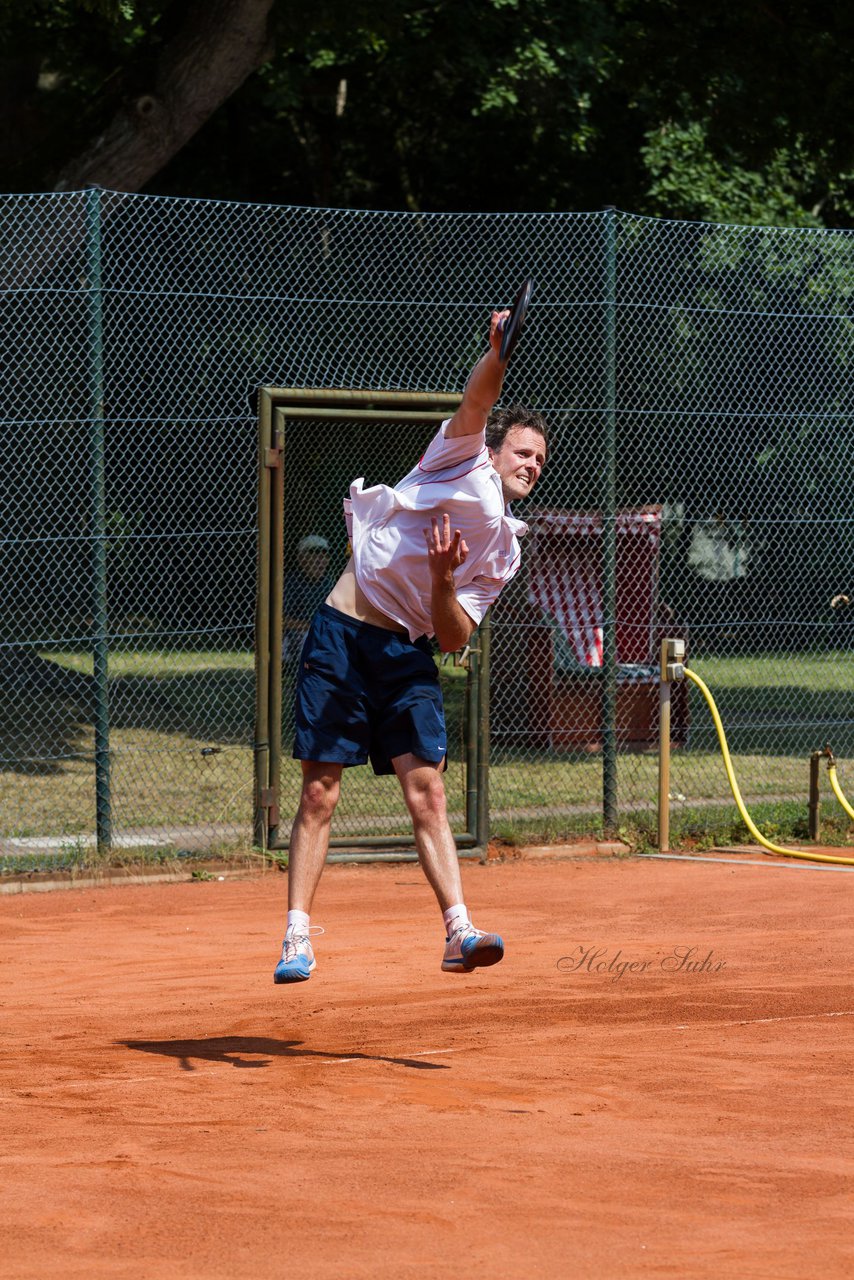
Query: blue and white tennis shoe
{"x": 469, "y": 948}
{"x": 297, "y": 959}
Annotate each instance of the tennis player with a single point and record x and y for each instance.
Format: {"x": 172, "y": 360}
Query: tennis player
{"x": 429, "y": 557}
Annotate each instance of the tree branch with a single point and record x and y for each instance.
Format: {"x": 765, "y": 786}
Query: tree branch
{"x": 219, "y": 45}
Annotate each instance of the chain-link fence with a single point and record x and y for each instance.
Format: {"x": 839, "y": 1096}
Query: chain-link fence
{"x": 699, "y": 484}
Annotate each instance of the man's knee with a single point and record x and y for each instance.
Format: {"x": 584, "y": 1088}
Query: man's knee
{"x": 425, "y": 794}
{"x": 320, "y": 791}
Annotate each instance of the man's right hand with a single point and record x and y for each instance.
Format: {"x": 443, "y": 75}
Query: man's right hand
{"x": 496, "y": 329}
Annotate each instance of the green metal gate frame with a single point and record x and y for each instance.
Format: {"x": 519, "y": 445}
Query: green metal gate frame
{"x": 275, "y": 406}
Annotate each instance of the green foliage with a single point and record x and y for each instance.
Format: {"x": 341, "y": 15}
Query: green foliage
{"x": 652, "y": 105}
{"x": 687, "y": 180}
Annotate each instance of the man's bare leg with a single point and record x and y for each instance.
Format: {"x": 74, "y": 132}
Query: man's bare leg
{"x": 424, "y": 793}
{"x": 321, "y": 786}
{"x": 466, "y": 948}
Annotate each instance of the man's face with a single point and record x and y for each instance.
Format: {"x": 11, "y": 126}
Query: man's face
{"x": 519, "y": 461}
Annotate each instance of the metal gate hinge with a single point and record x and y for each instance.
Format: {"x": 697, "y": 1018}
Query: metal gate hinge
{"x": 273, "y": 459}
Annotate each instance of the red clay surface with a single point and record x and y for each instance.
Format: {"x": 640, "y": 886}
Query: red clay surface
{"x": 168, "y": 1112}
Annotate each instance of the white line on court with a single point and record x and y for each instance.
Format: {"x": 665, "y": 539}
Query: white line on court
{"x": 386, "y": 1057}
{"x": 752, "y": 1022}
{"x": 745, "y": 862}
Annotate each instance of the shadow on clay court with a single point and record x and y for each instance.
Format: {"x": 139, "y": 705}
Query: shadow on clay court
{"x": 228, "y": 1049}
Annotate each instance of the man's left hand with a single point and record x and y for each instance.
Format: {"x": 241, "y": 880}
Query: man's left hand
{"x": 445, "y": 553}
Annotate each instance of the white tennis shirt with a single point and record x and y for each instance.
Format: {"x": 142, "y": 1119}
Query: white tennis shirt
{"x": 386, "y": 529}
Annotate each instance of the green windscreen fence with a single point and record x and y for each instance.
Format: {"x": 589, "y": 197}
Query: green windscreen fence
{"x": 698, "y": 382}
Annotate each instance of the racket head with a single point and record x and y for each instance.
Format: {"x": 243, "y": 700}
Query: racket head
{"x": 513, "y": 324}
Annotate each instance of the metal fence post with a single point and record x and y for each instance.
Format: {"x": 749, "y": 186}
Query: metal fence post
{"x": 98, "y": 516}
{"x": 261, "y": 754}
{"x": 472, "y": 727}
{"x": 608, "y": 503}
{"x": 664, "y": 731}
{"x": 482, "y": 829}
{"x": 815, "y": 796}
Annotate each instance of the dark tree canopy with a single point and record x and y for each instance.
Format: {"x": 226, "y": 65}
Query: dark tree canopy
{"x": 723, "y": 112}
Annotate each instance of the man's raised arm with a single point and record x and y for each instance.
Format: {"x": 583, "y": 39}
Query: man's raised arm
{"x": 483, "y": 387}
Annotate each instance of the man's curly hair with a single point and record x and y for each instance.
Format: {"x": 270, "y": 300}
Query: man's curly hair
{"x": 500, "y": 421}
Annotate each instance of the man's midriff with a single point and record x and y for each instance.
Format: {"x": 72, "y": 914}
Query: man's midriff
{"x": 348, "y": 597}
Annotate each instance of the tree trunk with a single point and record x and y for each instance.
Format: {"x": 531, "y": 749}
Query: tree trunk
{"x": 220, "y": 44}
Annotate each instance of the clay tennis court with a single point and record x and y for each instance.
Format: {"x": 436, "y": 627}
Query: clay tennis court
{"x": 169, "y": 1112}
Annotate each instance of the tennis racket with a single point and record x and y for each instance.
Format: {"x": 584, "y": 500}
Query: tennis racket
{"x": 512, "y": 326}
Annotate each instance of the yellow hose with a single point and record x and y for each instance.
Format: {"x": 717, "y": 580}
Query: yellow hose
{"x": 837, "y": 790}
{"x": 745, "y": 816}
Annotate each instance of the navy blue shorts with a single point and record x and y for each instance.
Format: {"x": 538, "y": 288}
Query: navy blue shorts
{"x": 365, "y": 693}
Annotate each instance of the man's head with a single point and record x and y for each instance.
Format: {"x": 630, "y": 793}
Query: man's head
{"x": 313, "y": 556}
{"x": 518, "y": 442}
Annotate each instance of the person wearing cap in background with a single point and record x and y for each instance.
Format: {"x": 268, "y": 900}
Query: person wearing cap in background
{"x": 306, "y": 587}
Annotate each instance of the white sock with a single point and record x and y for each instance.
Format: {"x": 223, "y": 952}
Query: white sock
{"x": 299, "y": 920}
{"x": 454, "y": 917}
